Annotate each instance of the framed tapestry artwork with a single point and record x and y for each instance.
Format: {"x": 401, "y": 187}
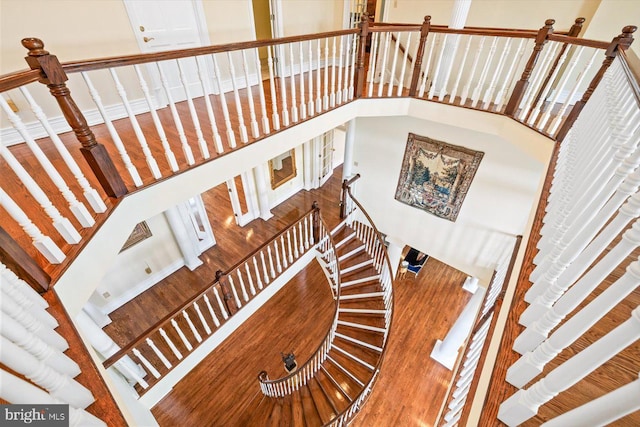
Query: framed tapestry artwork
{"x": 140, "y": 232}
{"x": 436, "y": 176}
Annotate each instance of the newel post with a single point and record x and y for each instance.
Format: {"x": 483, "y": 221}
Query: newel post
{"x": 53, "y": 75}
{"x": 364, "y": 33}
{"x": 620, "y": 42}
{"x": 229, "y": 302}
{"x": 316, "y": 221}
{"x": 521, "y": 86}
{"x": 343, "y": 199}
{"x": 415, "y": 76}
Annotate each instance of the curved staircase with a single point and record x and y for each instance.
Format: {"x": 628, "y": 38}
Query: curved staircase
{"x": 333, "y": 390}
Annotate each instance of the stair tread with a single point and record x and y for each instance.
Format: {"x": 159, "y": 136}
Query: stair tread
{"x": 297, "y": 409}
{"x": 327, "y": 410}
{"x": 375, "y": 320}
{"x": 361, "y": 272}
{"x": 369, "y": 337}
{"x": 375, "y": 303}
{"x": 333, "y": 392}
{"x": 364, "y": 353}
{"x": 356, "y": 369}
{"x": 361, "y": 288}
{"x": 348, "y": 384}
{"x": 311, "y": 415}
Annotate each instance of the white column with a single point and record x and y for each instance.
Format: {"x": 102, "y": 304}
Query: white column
{"x": 525, "y": 403}
{"x": 106, "y": 347}
{"x": 60, "y": 386}
{"x": 349, "y": 143}
{"x": 259, "y": 175}
{"x": 307, "y": 158}
{"x": 18, "y": 391}
{"x": 603, "y": 410}
{"x": 179, "y": 222}
{"x": 446, "y": 351}
{"x": 459, "y": 15}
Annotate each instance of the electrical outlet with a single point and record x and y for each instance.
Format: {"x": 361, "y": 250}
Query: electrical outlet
{"x": 106, "y": 294}
{"x": 355, "y": 163}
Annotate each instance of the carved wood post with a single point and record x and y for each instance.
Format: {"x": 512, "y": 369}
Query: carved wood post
{"x": 343, "y": 199}
{"x": 94, "y": 153}
{"x": 25, "y": 267}
{"x": 521, "y": 86}
{"x": 229, "y": 302}
{"x": 316, "y": 221}
{"x": 415, "y": 76}
{"x": 573, "y": 32}
{"x": 620, "y": 42}
{"x": 364, "y": 33}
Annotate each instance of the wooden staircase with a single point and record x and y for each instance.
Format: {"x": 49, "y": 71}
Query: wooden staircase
{"x": 355, "y": 351}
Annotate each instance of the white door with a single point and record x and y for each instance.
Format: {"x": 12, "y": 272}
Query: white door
{"x": 326, "y": 157}
{"x": 165, "y": 25}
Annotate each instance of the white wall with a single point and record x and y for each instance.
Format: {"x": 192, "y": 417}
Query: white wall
{"x": 126, "y": 277}
{"x": 495, "y": 209}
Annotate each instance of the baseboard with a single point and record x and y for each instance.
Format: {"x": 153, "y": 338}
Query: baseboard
{"x": 141, "y": 287}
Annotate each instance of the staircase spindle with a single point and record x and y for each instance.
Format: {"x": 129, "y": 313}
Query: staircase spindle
{"x": 9, "y": 278}
{"x": 170, "y": 343}
{"x": 405, "y": 59}
{"x": 204, "y": 149}
{"x": 291, "y": 254}
{"x": 436, "y": 72}
{"x": 257, "y": 273}
{"x": 509, "y": 79}
{"x": 177, "y": 121}
{"x": 211, "y": 312}
{"x": 231, "y": 136}
{"x": 89, "y": 193}
{"x": 252, "y": 288}
{"x": 272, "y": 85}
{"x": 339, "y": 83}
{"x": 255, "y": 130}
{"x": 44, "y": 244}
{"x": 206, "y": 93}
{"x": 332, "y": 96}
{"x": 223, "y": 309}
{"x": 270, "y": 256}
{"x": 488, "y": 94}
{"x": 194, "y": 331}
{"x": 60, "y": 223}
{"x": 311, "y": 104}
{"x": 158, "y": 353}
{"x": 146, "y": 363}
{"x": 184, "y": 339}
{"x": 204, "y": 323}
{"x": 475, "y": 96}
{"x": 383, "y": 66}
{"x": 263, "y": 104}
{"x": 425, "y": 74}
{"x": 265, "y": 272}
{"x": 243, "y": 288}
{"x": 318, "y": 78}
{"x": 538, "y": 76}
{"x": 292, "y": 85}
{"x": 325, "y": 96}
{"x": 373, "y": 60}
{"x": 236, "y": 95}
{"x": 461, "y": 69}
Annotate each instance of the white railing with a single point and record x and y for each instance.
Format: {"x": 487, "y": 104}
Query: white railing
{"x": 32, "y": 349}
{"x": 597, "y": 169}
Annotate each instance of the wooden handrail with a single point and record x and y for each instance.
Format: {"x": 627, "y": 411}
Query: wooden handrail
{"x": 18, "y": 78}
{"x": 343, "y": 197}
{"x": 263, "y": 375}
{"x": 578, "y": 41}
{"x": 152, "y": 329}
{"x": 525, "y": 34}
{"x": 142, "y": 58}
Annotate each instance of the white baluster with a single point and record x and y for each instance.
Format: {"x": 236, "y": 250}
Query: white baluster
{"x": 204, "y": 149}
{"x": 18, "y": 391}
{"x": 204, "y": 323}
{"x": 211, "y": 312}
{"x": 383, "y": 66}
{"x": 332, "y": 97}
{"x": 235, "y": 292}
{"x": 43, "y": 243}
{"x": 255, "y": 130}
{"x": 257, "y": 273}
{"x": 270, "y": 256}
{"x": 252, "y": 288}
{"x": 373, "y": 60}
{"x": 264, "y": 268}
{"x": 171, "y": 158}
{"x": 133, "y": 172}
{"x": 461, "y": 69}
{"x": 427, "y": 67}
{"x": 545, "y": 92}
{"x": 307, "y": 241}
{"x": 243, "y": 129}
{"x": 392, "y": 73}
{"x": 436, "y": 72}
{"x": 146, "y": 363}
{"x": 474, "y": 67}
{"x": 275, "y": 249}
{"x": 291, "y": 254}
{"x": 303, "y": 104}
{"x": 263, "y": 103}
{"x": 186, "y": 342}
{"x": 292, "y": 85}
{"x": 525, "y": 403}
{"x": 245, "y": 295}
{"x": 170, "y": 343}
{"x": 508, "y": 82}
{"x": 318, "y": 76}
{"x": 311, "y": 104}
{"x": 536, "y": 79}
{"x": 36, "y": 310}
{"x": 151, "y": 161}
{"x": 488, "y": 94}
{"x": 231, "y": 137}
{"x": 60, "y": 386}
{"x": 602, "y": 411}
{"x": 283, "y": 87}
{"x": 483, "y": 75}
{"x": 272, "y": 85}
{"x": 206, "y": 92}
{"x": 284, "y": 252}
{"x": 184, "y": 144}
{"x": 300, "y": 239}
{"x": 90, "y": 194}
{"x": 32, "y": 324}
{"x": 338, "y": 96}
{"x": 405, "y": 59}
{"x": 12, "y": 280}
{"x": 353, "y": 66}
{"x": 223, "y": 310}
{"x": 532, "y": 363}
{"x": 50, "y": 356}
{"x": 325, "y": 98}
{"x": 194, "y": 331}
{"x": 158, "y": 353}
